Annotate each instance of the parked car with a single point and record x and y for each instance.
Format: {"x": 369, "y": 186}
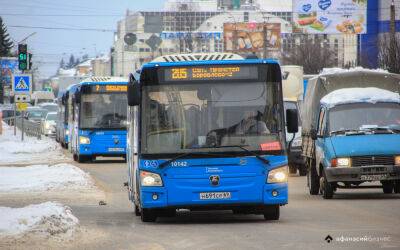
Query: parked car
{"x": 35, "y": 114}
{"x": 49, "y": 106}
{"x": 48, "y": 125}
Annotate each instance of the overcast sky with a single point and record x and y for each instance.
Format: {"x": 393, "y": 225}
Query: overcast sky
{"x": 49, "y": 46}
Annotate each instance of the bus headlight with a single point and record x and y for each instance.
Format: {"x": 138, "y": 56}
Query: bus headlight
{"x": 84, "y": 140}
{"x": 278, "y": 175}
{"x": 148, "y": 179}
{"x": 66, "y": 132}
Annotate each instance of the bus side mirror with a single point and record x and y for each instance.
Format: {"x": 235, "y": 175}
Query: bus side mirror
{"x": 78, "y": 97}
{"x": 133, "y": 91}
{"x": 292, "y": 121}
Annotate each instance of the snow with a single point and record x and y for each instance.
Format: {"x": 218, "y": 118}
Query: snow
{"x": 87, "y": 63}
{"x": 332, "y": 71}
{"x": 356, "y": 95}
{"x": 67, "y": 72}
{"x": 49, "y": 218}
{"x": 39, "y": 178}
{"x": 32, "y": 150}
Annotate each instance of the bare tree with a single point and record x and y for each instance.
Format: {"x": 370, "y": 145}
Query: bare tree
{"x": 389, "y": 53}
{"x": 312, "y": 52}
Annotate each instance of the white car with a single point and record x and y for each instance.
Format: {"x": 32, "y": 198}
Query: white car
{"x": 49, "y": 124}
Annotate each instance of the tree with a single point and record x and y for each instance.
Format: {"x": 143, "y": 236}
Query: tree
{"x": 5, "y": 41}
{"x": 71, "y": 62}
{"x": 77, "y": 61}
{"x": 313, "y": 53}
{"x": 389, "y": 53}
{"x": 62, "y": 64}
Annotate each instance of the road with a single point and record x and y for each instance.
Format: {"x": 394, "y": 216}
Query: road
{"x": 305, "y": 221}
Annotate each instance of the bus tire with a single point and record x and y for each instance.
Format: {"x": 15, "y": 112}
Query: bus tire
{"x": 271, "y": 212}
{"x": 75, "y": 156}
{"x": 148, "y": 215}
{"x": 313, "y": 180}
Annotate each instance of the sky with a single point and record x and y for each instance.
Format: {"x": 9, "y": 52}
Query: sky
{"x": 49, "y": 45}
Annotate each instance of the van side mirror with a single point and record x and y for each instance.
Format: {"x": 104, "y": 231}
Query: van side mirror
{"x": 292, "y": 121}
{"x": 133, "y": 91}
{"x": 314, "y": 134}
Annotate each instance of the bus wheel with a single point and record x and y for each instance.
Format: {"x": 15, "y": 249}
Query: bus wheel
{"x": 148, "y": 215}
{"x": 75, "y": 156}
{"x": 82, "y": 158}
{"x": 271, "y": 212}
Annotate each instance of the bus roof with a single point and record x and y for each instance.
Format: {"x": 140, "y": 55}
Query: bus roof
{"x": 104, "y": 80}
{"x": 209, "y": 62}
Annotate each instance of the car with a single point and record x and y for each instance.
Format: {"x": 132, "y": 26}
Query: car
{"x": 49, "y": 106}
{"x": 48, "y": 124}
{"x": 35, "y": 114}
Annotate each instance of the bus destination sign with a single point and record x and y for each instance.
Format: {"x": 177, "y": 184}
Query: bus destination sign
{"x": 199, "y": 73}
{"x": 109, "y": 88}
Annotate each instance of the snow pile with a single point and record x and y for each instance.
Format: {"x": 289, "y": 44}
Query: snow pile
{"x": 356, "y": 95}
{"x": 47, "y": 218}
{"x": 32, "y": 150}
{"x": 43, "y": 178}
{"x": 332, "y": 71}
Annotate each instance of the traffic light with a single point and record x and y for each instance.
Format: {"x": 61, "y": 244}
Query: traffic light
{"x": 30, "y": 61}
{"x": 22, "y": 56}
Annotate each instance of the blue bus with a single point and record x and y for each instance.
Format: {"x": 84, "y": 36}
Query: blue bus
{"x": 98, "y": 118}
{"x": 61, "y": 123}
{"x": 207, "y": 133}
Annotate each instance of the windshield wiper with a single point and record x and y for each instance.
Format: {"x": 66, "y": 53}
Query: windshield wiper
{"x": 384, "y": 130}
{"x": 244, "y": 149}
{"x": 346, "y": 131}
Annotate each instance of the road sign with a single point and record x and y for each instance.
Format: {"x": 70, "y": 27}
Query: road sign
{"x": 22, "y": 106}
{"x": 22, "y": 84}
{"x": 22, "y": 98}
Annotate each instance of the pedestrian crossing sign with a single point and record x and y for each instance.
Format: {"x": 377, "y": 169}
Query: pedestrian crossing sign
{"x": 22, "y": 84}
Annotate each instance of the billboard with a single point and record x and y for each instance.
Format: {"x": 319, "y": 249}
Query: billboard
{"x": 250, "y": 37}
{"x": 8, "y": 66}
{"x": 330, "y": 16}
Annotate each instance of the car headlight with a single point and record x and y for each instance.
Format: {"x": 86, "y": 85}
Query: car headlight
{"x": 278, "y": 175}
{"x": 47, "y": 125}
{"x": 297, "y": 142}
{"x": 148, "y": 179}
{"x": 84, "y": 140}
{"x": 343, "y": 162}
{"x": 397, "y": 160}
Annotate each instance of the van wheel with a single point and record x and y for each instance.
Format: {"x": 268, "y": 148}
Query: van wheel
{"x": 271, "y": 212}
{"x": 75, "y": 156}
{"x": 302, "y": 170}
{"x": 313, "y": 180}
{"x": 148, "y": 215}
{"x": 387, "y": 187}
{"x": 327, "y": 189}
{"x": 397, "y": 187}
{"x": 292, "y": 169}
{"x": 137, "y": 211}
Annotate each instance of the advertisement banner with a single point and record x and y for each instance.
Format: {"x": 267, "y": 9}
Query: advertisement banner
{"x": 330, "y": 16}
{"x": 250, "y": 37}
{"x": 8, "y": 66}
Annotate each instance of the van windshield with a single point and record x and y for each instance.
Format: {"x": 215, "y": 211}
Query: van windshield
{"x": 359, "y": 116}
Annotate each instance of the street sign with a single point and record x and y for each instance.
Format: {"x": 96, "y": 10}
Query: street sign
{"x": 22, "y": 98}
{"x": 22, "y": 106}
{"x": 22, "y": 84}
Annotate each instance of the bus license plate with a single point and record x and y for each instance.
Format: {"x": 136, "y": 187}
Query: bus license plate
{"x": 215, "y": 196}
{"x": 115, "y": 149}
{"x": 374, "y": 177}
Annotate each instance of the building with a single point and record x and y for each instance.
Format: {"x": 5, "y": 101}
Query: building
{"x": 101, "y": 66}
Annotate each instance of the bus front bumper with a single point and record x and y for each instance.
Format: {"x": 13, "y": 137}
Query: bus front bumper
{"x": 157, "y": 197}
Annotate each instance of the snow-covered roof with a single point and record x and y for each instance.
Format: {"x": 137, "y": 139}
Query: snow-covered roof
{"x": 67, "y": 72}
{"x": 87, "y": 63}
{"x": 359, "y": 95}
{"x": 332, "y": 71}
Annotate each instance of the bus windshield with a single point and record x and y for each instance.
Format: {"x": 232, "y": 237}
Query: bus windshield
{"x": 103, "y": 111}
{"x": 209, "y": 117}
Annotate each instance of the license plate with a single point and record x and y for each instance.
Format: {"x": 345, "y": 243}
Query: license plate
{"x": 115, "y": 149}
{"x": 215, "y": 196}
{"x": 374, "y": 177}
